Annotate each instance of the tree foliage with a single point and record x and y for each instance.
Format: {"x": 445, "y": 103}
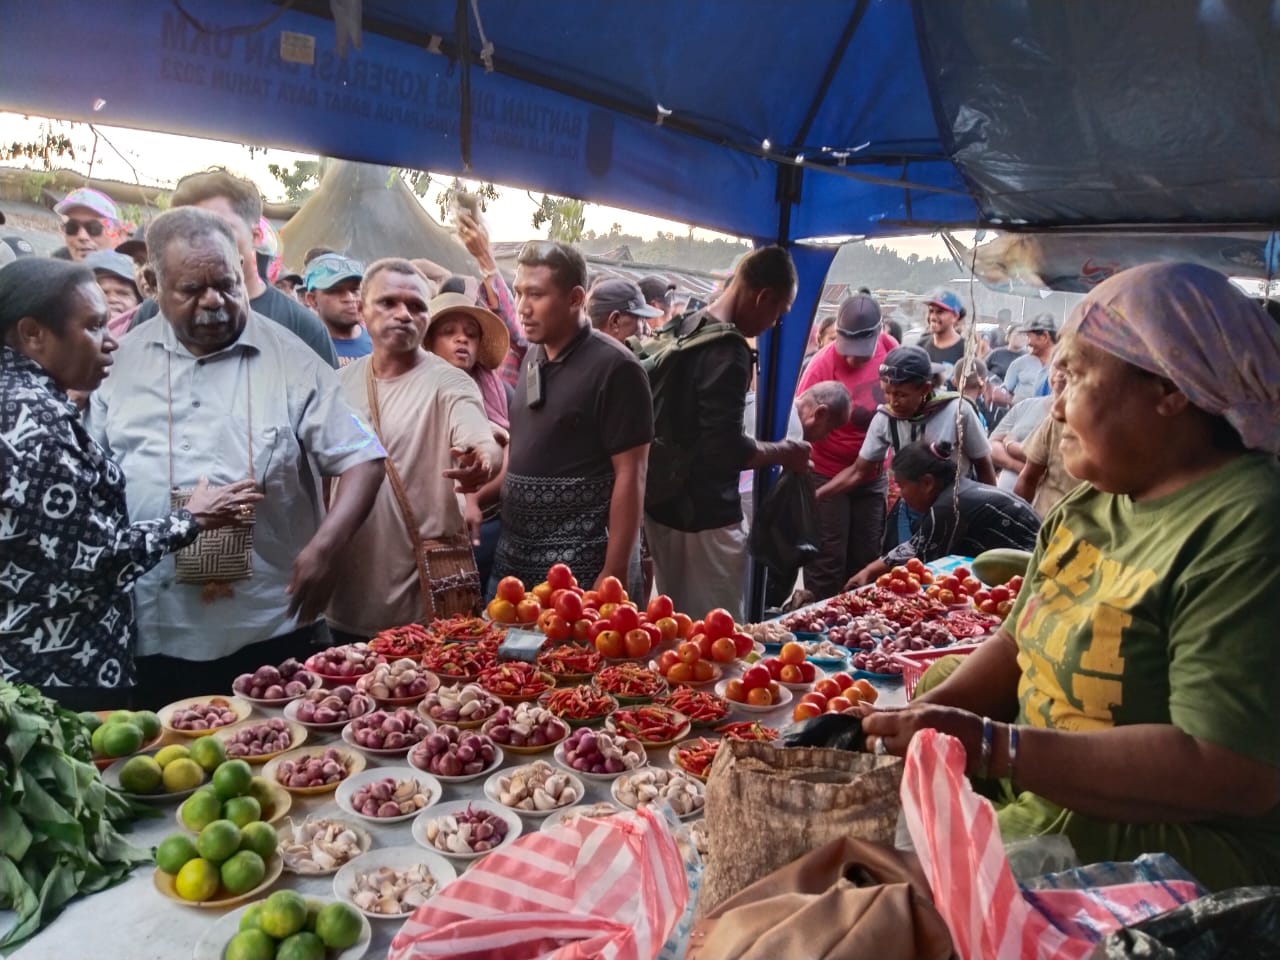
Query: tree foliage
{"x": 299, "y": 181}
{"x": 565, "y": 217}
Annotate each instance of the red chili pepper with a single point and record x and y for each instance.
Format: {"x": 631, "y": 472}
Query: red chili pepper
{"x": 747, "y": 730}
{"x": 571, "y": 658}
{"x": 410, "y": 640}
{"x": 630, "y": 680}
{"x": 698, "y": 757}
{"x": 579, "y": 703}
{"x": 697, "y": 705}
{"x": 650, "y": 724}
{"x": 516, "y": 679}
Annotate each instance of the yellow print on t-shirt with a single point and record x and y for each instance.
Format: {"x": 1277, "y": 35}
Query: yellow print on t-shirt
{"x": 1070, "y": 632}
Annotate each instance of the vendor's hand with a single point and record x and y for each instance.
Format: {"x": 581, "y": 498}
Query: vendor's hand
{"x": 472, "y": 472}
{"x": 859, "y": 579}
{"x": 795, "y": 455}
{"x": 895, "y": 728}
{"x": 311, "y": 586}
{"x": 473, "y": 517}
{"x": 475, "y": 238}
{"x": 225, "y": 506}
{"x": 606, "y": 572}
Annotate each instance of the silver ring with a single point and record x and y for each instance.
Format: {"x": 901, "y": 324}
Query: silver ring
{"x": 880, "y": 749}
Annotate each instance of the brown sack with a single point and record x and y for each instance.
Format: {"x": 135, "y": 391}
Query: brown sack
{"x": 768, "y": 805}
{"x": 847, "y": 900}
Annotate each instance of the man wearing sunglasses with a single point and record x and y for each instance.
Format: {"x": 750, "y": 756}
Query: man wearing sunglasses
{"x": 92, "y": 222}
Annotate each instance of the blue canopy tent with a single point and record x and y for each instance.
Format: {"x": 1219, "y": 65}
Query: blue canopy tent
{"x": 782, "y": 122}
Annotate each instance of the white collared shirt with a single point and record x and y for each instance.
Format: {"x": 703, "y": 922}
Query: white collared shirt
{"x": 302, "y": 429}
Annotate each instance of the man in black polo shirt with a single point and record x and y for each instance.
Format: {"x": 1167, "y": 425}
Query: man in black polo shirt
{"x": 698, "y": 539}
{"x": 581, "y": 422}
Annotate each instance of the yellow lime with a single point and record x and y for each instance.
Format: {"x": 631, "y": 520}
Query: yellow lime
{"x": 200, "y": 809}
{"x": 232, "y": 779}
{"x": 283, "y": 914}
{"x": 197, "y": 880}
{"x": 338, "y": 925}
{"x": 208, "y": 752}
{"x": 182, "y": 774}
{"x": 242, "y": 872}
{"x": 218, "y": 841}
{"x": 174, "y": 751}
{"x": 260, "y": 838}
{"x": 174, "y": 852}
{"x": 250, "y": 945}
{"x": 140, "y": 775}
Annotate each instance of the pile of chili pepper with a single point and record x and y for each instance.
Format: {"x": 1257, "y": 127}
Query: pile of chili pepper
{"x": 966, "y": 624}
{"x": 700, "y": 706}
{"x": 570, "y": 659}
{"x": 696, "y": 758}
{"x": 747, "y": 730}
{"x": 579, "y": 703}
{"x": 461, "y": 659}
{"x": 411, "y": 640}
{"x": 470, "y": 629}
{"x": 631, "y": 680}
{"x": 651, "y": 724}
{"x": 515, "y": 679}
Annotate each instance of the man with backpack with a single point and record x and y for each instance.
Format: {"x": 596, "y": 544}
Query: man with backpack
{"x": 700, "y": 369}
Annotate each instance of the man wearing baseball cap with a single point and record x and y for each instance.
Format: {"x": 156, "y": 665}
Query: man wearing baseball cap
{"x": 332, "y": 285}
{"x": 944, "y": 343}
{"x": 1028, "y": 372}
{"x": 92, "y": 222}
{"x": 851, "y": 520}
{"x": 114, "y": 273}
{"x": 617, "y": 307}
{"x": 659, "y": 293}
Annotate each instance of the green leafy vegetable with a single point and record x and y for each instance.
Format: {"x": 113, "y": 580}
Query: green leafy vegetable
{"x": 58, "y": 820}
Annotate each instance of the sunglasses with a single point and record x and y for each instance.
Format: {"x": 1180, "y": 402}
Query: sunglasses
{"x": 73, "y": 227}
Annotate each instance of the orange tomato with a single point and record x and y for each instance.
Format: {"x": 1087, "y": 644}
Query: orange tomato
{"x": 668, "y": 628}
{"x": 827, "y": 687}
{"x": 735, "y": 691}
{"x": 723, "y": 650}
{"x": 704, "y": 643}
{"x": 510, "y": 589}
{"x": 610, "y": 644}
{"x": 591, "y": 600}
{"x": 528, "y": 610}
{"x": 611, "y": 590}
{"x": 866, "y": 691}
{"x": 703, "y": 671}
{"x": 606, "y": 609}
{"x": 838, "y": 704}
{"x": 684, "y": 625}
{"x": 557, "y": 628}
{"x": 543, "y": 592}
{"x": 543, "y": 618}
{"x": 791, "y": 674}
{"x": 666, "y": 660}
{"x": 791, "y": 653}
{"x": 560, "y": 577}
{"x": 688, "y": 653}
{"x": 680, "y": 673}
{"x": 501, "y": 611}
{"x": 759, "y": 697}
{"x": 582, "y": 629}
{"x": 805, "y": 711}
{"x": 637, "y": 643}
{"x": 842, "y": 680}
{"x": 819, "y": 700}
{"x": 775, "y": 691}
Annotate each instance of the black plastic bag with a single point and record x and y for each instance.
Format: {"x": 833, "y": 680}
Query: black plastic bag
{"x": 784, "y": 536}
{"x": 835, "y": 731}
{"x": 1239, "y": 924}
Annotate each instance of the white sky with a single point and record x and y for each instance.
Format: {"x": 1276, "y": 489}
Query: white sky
{"x": 160, "y": 159}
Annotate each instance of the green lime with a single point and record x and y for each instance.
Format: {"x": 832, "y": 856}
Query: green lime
{"x": 250, "y": 945}
{"x": 182, "y": 774}
{"x": 200, "y": 809}
{"x": 242, "y": 872}
{"x": 300, "y": 946}
{"x": 174, "y": 852}
{"x": 241, "y": 810}
{"x": 260, "y": 838}
{"x": 120, "y": 716}
{"x": 208, "y": 752}
{"x": 249, "y": 919}
{"x": 197, "y": 880}
{"x": 119, "y": 739}
{"x": 338, "y": 925}
{"x": 232, "y": 779}
{"x": 148, "y": 723}
{"x": 140, "y": 774}
{"x": 91, "y": 721}
{"x": 284, "y": 913}
{"x": 218, "y": 841}
{"x": 174, "y": 751}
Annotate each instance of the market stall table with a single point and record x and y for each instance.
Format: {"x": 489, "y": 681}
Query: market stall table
{"x": 133, "y": 921}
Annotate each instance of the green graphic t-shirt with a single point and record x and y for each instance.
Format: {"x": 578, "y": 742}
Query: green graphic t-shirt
{"x": 1166, "y": 611}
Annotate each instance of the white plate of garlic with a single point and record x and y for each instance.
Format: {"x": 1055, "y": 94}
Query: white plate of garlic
{"x": 392, "y": 882}
{"x": 388, "y": 794}
{"x": 535, "y": 789}
{"x": 319, "y": 846}
{"x": 466, "y": 829}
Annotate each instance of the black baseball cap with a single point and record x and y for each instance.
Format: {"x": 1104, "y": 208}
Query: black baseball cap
{"x": 858, "y": 327}
{"x": 657, "y": 288}
{"x": 907, "y": 365}
{"x": 618, "y": 293}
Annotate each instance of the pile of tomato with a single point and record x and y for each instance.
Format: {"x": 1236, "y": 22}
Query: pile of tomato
{"x": 834, "y": 694}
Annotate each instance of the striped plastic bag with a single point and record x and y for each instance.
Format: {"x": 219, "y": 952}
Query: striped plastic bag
{"x": 609, "y": 888}
{"x": 958, "y": 841}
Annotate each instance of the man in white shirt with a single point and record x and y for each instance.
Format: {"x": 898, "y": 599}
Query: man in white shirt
{"x": 1028, "y": 372}
{"x": 210, "y": 388}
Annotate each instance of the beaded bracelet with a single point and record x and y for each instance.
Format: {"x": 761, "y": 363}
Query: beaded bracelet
{"x": 1013, "y": 749}
{"x": 988, "y": 744}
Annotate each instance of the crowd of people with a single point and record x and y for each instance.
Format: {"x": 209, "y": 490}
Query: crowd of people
{"x": 204, "y": 471}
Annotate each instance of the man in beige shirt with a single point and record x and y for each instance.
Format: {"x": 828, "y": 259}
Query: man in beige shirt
{"x": 432, "y": 421}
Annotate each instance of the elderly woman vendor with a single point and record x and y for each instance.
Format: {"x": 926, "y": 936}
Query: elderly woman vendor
{"x": 1132, "y": 693}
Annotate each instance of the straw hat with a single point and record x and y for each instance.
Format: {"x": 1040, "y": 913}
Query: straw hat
{"x": 494, "y": 339}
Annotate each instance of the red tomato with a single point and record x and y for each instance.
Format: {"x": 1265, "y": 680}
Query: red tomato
{"x": 598, "y": 627}
{"x": 946, "y": 596}
{"x": 688, "y": 653}
{"x": 759, "y": 697}
{"x": 842, "y": 680}
{"x": 755, "y": 677}
{"x": 808, "y": 672}
{"x": 655, "y": 635}
{"x": 838, "y": 704}
{"x": 560, "y": 577}
{"x": 775, "y": 690}
{"x": 510, "y": 589}
{"x": 668, "y": 629}
{"x": 791, "y": 653}
{"x": 989, "y": 606}
{"x": 951, "y": 583}
{"x": 704, "y": 643}
{"x": 624, "y": 618}
{"x": 791, "y": 674}
{"x": 1000, "y": 594}
{"x": 827, "y": 687}
{"x": 742, "y": 644}
{"x": 590, "y": 613}
{"x": 591, "y": 600}
{"x": 723, "y": 650}
{"x": 684, "y": 625}
{"x": 971, "y": 585}
{"x": 568, "y": 604}
{"x": 666, "y": 660}
{"x": 697, "y": 627}
{"x": 736, "y": 691}
{"x": 866, "y": 692}
{"x": 819, "y": 700}
{"x": 915, "y": 565}
{"x": 611, "y": 590}
{"x": 961, "y": 573}
{"x": 637, "y": 643}
{"x": 774, "y": 666}
{"x": 719, "y": 623}
{"x": 543, "y": 619}
{"x": 528, "y": 610}
{"x": 557, "y": 628}
{"x": 1002, "y": 609}
{"x": 582, "y": 629}
{"x": 805, "y": 711}
{"x": 659, "y": 607}
{"x": 609, "y": 643}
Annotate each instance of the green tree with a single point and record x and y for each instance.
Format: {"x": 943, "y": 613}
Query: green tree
{"x": 565, "y": 218}
{"x": 299, "y": 181}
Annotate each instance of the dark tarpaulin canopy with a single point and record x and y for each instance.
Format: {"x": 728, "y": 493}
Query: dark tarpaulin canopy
{"x": 775, "y": 121}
